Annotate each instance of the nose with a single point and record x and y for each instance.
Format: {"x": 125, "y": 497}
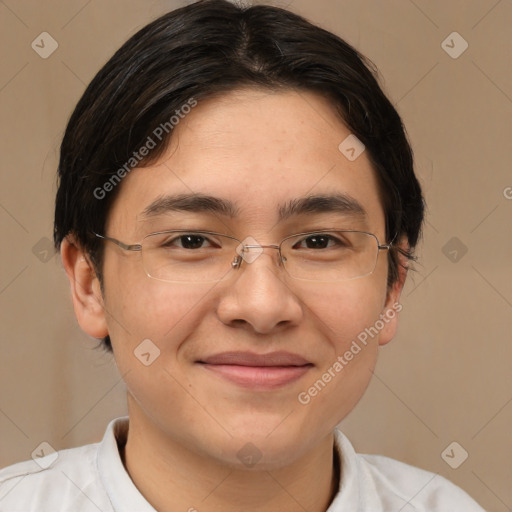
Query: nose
{"x": 257, "y": 296}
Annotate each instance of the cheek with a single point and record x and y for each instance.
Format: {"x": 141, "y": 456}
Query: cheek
{"x": 346, "y": 315}
{"x": 339, "y": 316}
{"x": 141, "y": 308}
{"x": 344, "y": 310}
{"x": 151, "y": 325}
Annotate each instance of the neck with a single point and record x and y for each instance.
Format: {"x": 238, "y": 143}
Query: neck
{"x": 174, "y": 478}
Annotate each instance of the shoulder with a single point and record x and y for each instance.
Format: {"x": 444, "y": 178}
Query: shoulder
{"x": 63, "y": 480}
{"x": 424, "y": 490}
{"x": 390, "y": 484}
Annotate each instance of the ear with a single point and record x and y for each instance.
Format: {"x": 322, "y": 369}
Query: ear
{"x": 392, "y": 306}
{"x": 85, "y": 289}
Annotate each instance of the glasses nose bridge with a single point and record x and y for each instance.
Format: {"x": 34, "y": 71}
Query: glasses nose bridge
{"x": 243, "y": 248}
{"x": 257, "y": 246}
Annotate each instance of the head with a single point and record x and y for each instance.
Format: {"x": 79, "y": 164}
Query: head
{"x": 249, "y": 105}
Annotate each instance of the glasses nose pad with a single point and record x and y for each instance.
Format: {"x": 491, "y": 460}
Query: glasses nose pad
{"x": 237, "y": 261}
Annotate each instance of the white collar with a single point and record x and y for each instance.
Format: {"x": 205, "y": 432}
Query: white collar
{"x": 125, "y": 497}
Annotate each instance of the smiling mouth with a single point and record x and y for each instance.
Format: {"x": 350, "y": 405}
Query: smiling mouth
{"x": 258, "y": 371}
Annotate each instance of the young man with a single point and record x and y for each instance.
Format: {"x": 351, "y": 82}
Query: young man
{"x": 236, "y": 211}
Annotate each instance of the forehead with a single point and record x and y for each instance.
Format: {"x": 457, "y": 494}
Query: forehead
{"x": 258, "y": 150}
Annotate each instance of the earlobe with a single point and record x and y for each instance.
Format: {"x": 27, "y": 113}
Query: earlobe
{"x": 85, "y": 289}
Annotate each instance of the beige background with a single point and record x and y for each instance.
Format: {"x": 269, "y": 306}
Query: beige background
{"x": 447, "y": 375}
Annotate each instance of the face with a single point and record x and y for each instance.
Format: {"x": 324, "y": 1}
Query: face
{"x": 207, "y": 390}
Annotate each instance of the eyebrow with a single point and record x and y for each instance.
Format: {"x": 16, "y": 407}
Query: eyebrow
{"x": 308, "y": 205}
{"x": 335, "y": 203}
{"x": 190, "y": 203}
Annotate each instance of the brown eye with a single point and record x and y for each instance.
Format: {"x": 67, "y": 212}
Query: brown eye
{"x": 192, "y": 241}
{"x": 187, "y": 241}
{"x": 317, "y": 241}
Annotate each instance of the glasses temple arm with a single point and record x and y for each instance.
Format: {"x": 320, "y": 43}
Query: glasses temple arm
{"x": 126, "y": 247}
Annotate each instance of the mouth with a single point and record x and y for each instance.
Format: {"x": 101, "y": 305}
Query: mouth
{"x": 257, "y": 371}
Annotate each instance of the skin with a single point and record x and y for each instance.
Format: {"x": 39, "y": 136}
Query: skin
{"x": 258, "y": 149}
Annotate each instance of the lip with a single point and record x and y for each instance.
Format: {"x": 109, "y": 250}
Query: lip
{"x": 257, "y": 371}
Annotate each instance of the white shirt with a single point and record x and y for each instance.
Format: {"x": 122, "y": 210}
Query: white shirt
{"x": 92, "y": 478}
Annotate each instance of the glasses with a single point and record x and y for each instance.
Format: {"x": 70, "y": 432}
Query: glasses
{"x": 180, "y": 256}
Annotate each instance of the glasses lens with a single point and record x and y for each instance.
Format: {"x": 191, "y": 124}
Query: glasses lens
{"x": 185, "y": 256}
{"x": 330, "y": 256}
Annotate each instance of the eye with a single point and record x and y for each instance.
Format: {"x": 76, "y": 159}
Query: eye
{"x": 319, "y": 241}
{"x": 188, "y": 241}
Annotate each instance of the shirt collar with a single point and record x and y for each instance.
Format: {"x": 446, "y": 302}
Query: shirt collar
{"x": 125, "y": 497}
{"x": 122, "y": 492}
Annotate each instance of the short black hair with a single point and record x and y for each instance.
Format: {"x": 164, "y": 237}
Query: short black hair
{"x": 208, "y": 49}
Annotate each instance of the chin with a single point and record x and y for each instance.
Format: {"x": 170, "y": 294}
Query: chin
{"x": 266, "y": 447}
{"x": 259, "y": 456}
